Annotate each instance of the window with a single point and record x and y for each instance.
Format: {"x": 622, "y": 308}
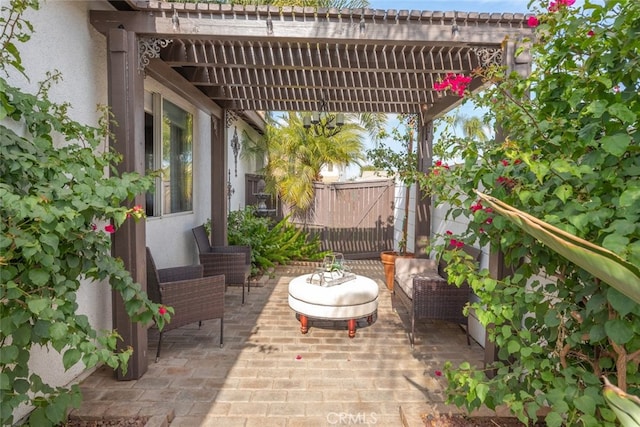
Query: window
{"x": 169, "y": 148}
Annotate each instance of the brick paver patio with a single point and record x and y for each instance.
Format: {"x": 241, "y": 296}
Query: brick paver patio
{"x": 269, "y": 374}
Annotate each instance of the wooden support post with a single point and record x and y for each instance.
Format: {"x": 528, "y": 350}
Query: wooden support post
{"x": 423, "y": 201}
{"x": 126, "y": 96}
{"x": 218, "y": 183}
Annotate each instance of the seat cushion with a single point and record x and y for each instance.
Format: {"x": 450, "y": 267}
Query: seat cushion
{"x": 408, "y": 268}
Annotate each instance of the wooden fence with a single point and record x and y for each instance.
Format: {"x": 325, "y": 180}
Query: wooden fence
{"x": 354, "y": 218}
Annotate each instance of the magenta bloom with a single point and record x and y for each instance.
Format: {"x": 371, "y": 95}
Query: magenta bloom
{"x": 162, "y": 310}
{"x": 533, "y": 22}
{"x": 109, "y": 228}
{"x": 456, "y": 82}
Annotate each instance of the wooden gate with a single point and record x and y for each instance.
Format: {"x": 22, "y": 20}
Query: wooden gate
{"x": 354, "y": 218}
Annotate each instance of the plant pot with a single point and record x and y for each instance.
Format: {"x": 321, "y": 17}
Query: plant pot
{"x": 388, "y": 259}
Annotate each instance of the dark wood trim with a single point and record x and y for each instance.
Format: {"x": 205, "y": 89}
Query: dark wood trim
{"x": 170, "y": 78}
{"x": 126, "y": 97}
{"x": 219, "y": 167}
{"x": 422, "y": 231}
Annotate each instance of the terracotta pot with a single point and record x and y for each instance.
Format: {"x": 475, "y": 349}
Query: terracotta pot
{"x": 389, "y": 262}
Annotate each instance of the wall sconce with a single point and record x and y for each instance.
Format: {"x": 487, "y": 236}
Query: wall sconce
{"x": 235, "y": 146}
{"x": 230, "y": 192}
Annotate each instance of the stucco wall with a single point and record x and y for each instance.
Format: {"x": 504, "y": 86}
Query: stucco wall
{"x": 64, "y": 40}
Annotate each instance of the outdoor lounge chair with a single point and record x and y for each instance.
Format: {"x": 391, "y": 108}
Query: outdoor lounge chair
{"x": 421, "y": 286}
{"x": 232, "y": 261}
{"x": 193, "y": 297}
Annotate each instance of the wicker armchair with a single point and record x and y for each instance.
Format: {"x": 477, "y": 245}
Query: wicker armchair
{"x": 193, "y": 297}
{"x": 232, "y": 261}
{"x": 421, "y": 286}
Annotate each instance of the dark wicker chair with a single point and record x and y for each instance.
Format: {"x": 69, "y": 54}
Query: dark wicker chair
{"x": 193, "y": 297}
{"x": 421, "y": 286}
{"x": 232, "y": 261}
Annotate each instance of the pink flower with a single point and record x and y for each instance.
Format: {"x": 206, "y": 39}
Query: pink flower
{"x": 439, "y": 163}
{"x": 438, "y": 373}
{"x": 591, "y": 33}
{"x": 456, "y": 82}
{"x": 109, "y": 228}
{"x": 505, "y": 162}
{"x": 488, "y": 210}
{"x": 555, "y": 6}
{"x": 162, "y": 310}
{"x": 298, "y": 357}
{"x": 481, "y": 230}
{"x": 533, "y": 22}
{"x": 449, "y": 232}
{"x": 456, "y": 243}
{"x": 476, "y": 207}
{"x": 94, "y": 227}
{"x": 517, "y": 161}
{"x": 489, "y": 221}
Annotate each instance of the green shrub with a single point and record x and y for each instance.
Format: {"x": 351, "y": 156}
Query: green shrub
{"x": 271, "y": 243}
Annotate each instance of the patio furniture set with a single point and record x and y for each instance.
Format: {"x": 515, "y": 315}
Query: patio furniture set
{"x": 196, "y": 292}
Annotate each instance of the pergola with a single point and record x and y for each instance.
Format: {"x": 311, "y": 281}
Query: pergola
{"x": 239, "y": 60}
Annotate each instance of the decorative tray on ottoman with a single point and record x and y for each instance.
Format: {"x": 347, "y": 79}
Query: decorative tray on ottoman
{"x": 333, "y": 272}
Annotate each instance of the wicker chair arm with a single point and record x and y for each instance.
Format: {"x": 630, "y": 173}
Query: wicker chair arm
{"x": 186, "y": 272}
{"x": 193, "y": 300}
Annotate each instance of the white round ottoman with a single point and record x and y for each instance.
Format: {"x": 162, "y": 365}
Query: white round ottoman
{"x": 349, "y": 301}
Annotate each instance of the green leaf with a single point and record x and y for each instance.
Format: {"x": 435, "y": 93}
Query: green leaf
{"x": 630, "y": 197}
{"x": 39, "y": 277}
{"x": 5, "y": 383}
{"x": 58, "y": 331}
{"x": 597, "y": 108}
{"x": 564, "y": 192}
{"x": 619, "y": 331}
{"x": 481, "y": 391}
{"x": 616, "y": 144}
{"x": 586, "y": 404}
{"x": 553, "y": 419}
{"x": 9, "y": 354}
{"x": 513, "y": 347}
{"x": 70, "y": 358}
{"x": 622, "y": 112}
{"x": 37, "y": 305}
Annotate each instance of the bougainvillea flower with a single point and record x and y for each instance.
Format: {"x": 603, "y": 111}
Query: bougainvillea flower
{"x": 456, "y": 82}
{"x": 109, "y": 228}
{"x": 591, "y": 33}
{"x": 505, "y": 162}
{"x": 456, "y": 243}
{"x": 438, "y": 373}
{"x": 533, "y": 22}
{"x": 476, "y": 207}
{"x": 162, "y": 310}
{"x": 449, "y": 232}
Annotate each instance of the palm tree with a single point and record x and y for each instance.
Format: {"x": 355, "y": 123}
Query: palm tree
{"x": 296, "y": 155}
{"x": 472, "y": 127}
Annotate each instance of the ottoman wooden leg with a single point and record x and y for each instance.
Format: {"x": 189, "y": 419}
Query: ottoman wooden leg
{"x": 351, "y": 323}
{"x": 304, "y": 324}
